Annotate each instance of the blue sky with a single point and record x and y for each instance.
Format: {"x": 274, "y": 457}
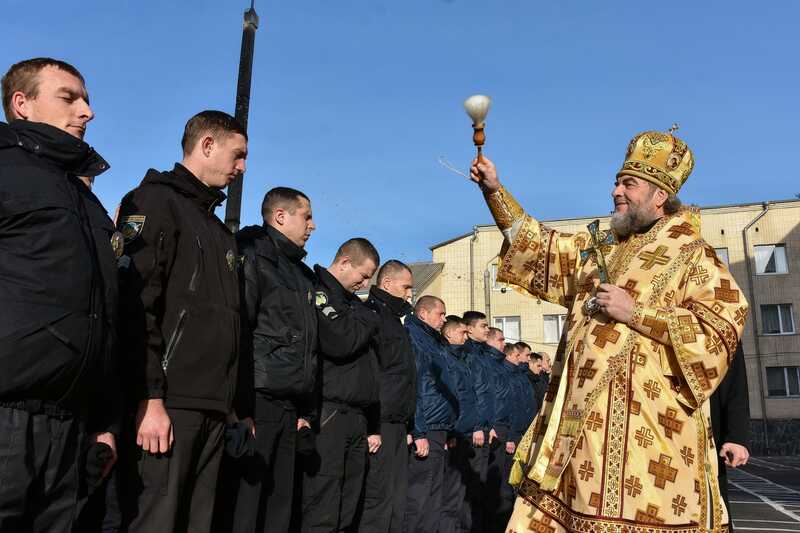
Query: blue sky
{"x": 353, "y": 101}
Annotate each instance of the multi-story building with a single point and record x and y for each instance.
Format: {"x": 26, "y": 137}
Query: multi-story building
{"x": 759, "y": 242}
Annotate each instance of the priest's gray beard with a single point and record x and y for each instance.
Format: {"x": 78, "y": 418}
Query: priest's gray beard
{"x": 635, "y": 220}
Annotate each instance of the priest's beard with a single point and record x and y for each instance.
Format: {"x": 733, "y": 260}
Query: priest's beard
{"x": 636, "y": 219}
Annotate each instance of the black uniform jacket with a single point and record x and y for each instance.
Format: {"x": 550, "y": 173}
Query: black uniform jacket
{"x": 730, "y": 405}
{"x": 279, "y": 319}
{"x": 346, "y": 334}
{"x": 58, "y": 279}
{"x": 180, "y": 293}
{"x": 397, "y": 368}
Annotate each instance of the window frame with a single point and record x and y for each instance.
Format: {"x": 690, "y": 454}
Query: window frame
{"x": 785, "y": 259}
{"x": 561, "y": 321}
{"x": 780, "y": 321}
{"x": 786, "y": 370}
{"x": 505, "y": 319}
{"x": 727, "y": 258}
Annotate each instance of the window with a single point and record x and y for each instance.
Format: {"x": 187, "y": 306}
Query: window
{"x": 553, "y": 327}
{"x": 783, "y": 381}
{"x": 493, "y": 279}
{"x": 771, "y": 259}
{"x": 777, "y": 319}
{"x": 509, "y": 326}
{"x": 722, "y": 253}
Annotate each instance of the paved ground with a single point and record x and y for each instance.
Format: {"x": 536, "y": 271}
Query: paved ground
{"x": 765, "y": 494}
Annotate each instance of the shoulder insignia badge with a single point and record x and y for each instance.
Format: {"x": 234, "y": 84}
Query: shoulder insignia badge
{"x": 320, "y": 299}
{"x": 131, "y": 227}
{"x": 117, "y": 244}
{"x": 230, "y": 258}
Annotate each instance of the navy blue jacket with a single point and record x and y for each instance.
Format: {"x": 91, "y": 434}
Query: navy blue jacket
{"x": 437, "y": 404}
{"x": 468, "y": 420}
{"x": 504, "y": 392}
{"x": 525, "y": 403}
{"x": 482, "y": 368}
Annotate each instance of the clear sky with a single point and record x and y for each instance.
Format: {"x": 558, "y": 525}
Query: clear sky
{"x": 353, "y": 101}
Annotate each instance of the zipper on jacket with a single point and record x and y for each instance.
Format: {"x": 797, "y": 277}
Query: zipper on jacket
{"x": 196, "y": 273}
{"x": 173, "y": 340}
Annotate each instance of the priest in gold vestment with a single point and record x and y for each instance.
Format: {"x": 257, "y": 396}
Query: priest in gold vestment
{"x": 623, "y": 441}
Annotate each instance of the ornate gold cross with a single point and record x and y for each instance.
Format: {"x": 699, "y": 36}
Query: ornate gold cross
{"x": 596, "y": 249}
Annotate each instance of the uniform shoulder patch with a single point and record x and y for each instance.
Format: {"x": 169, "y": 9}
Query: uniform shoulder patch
{"x": 131, "y": 227}
{"x": 320, "y": 299}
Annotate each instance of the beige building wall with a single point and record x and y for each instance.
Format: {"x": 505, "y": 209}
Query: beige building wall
{"x": 467, "y": 258}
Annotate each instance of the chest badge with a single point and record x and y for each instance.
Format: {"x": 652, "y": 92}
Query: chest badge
{"x": 230, "y": 258}
{"x": 131, "y": 227}
{"x": 117, "y": 244}
{"x": 320, "y": 299}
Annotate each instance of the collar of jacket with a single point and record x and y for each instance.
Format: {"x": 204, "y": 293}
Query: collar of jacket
{"x": 282, "y": 243}
{"x": 187, "y": 184}
{"x": 398, "y": 306}
{"x": 494, "y": 352}
{"x": 415, "y": 321}
{"x": 335, "y": 289}
{"x": 457, "y": 351}
{"x": 64, "y": 150}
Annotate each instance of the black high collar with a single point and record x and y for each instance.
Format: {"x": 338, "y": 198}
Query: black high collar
{"x": 282, "y": 242}
{"x": 181, "y": 179}
{"x": 336, "y": 289}
{"x": 398, "y": 306}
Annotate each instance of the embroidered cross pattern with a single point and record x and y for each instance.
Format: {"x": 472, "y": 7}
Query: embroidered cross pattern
{"x": 689, "y": 329}
{"x": 657, "y": 324}
{"x": 555, "y": 280}
{"x": 725, "y": 293}
{"x": 542, "y": 525}
{"x": 605, "y": 333}
{"x": 649, "y": 516}
{"x": 551, "y": 257}
{"x": 656, "y": 257}
{"x": 572, "y": 489}
{"x": 530, "y": 265}
{"x": 585, "y": 287}
{"x": 586, "y": 372}
{"x": 586, "y": 471}
{"x": 634, "y": 486}
{"x": 662, "y": 470}
{"x": 741, "y": 315}
{"x": 679, "y": 504}
{"x": 579, "y": 348}
{"x": 698, "y": 274}
{"x": 644, "y": 437}
{"x": 687, "y": 455}
{"x": 630, "y": 287}
{"x": 566, "y": 264}
{"x": 633, "y": 406}
{"x": 594, "y": 421}
{"x": 685, "y": 228}
{"x": 638, "y": 359}
{"x": 713, "y": 344}
{"x": 652, "y": 389}
{"x": 711, "y": 254}
{"x": 670, "y": 422}
{"x": 668, "y": 296}
{"x": 704, "y": 375}
{"x": 595, "y": 501}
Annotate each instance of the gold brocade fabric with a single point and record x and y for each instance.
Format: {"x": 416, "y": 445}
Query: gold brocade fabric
{"x": 623, "y": 440}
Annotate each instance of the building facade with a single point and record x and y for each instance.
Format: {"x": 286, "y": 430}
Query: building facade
{"x": 759, "y": 242}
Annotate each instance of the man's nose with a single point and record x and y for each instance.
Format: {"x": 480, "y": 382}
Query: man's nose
{"x": 85, "y": 111}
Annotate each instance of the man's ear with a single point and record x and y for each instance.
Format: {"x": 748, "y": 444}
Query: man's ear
{"x": 660, "y": 196}
{"x": 279, "y": 216}
{"x": 207, "y": 145}
{"x": 19, "y": 105}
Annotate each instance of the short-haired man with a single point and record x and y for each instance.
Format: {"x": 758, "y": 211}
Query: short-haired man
{"x": 387, "y": 471}
{"x": 278, "y": 360}
{"x": 334, "y": 476}
{"x": 539, "y": 378}
{"x": 461, "y": 484}
{"x": 181, "y": 316}
{"x": 58, "y": 299}
{"x": 437, "y": 408}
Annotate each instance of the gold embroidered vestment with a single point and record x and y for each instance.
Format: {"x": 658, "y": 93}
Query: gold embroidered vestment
{"x": 623, "y": 441}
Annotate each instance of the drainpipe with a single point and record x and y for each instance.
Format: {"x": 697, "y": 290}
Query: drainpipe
{"x": 472, "y": 267}
{"x": 751, "y": 286}
{"x": 487, "y": 295}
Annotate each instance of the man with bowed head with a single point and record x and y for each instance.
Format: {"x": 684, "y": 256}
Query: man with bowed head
{"x": 649, "y": 337}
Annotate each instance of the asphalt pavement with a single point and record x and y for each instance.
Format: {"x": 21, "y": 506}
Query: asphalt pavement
{"x": 765, "y": 494}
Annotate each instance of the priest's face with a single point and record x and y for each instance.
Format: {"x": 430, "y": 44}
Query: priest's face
{"x": 635, "y": 205}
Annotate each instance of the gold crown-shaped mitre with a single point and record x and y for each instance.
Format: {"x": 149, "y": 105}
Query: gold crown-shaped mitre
{"x": 660, "y": 158}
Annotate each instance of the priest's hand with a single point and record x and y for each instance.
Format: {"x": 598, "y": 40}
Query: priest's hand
{"x": 478, "y": 438}
{"x": 615, "y": 302}
{"x": 422, "y": 447}
{"x": 734, "y": 454}
{"x": 374, "y": 443}
{"x": 484, "y": 174}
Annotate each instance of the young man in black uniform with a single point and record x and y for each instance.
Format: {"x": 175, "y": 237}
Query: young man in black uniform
{"x": 181, "y": 316}
{"x": 387, "y": 472}
{"x": 58, "y": 299}
{"x": 334, "y": 476}
{"x": 278, "y": 359}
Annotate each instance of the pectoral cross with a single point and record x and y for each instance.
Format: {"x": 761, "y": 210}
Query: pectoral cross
{"x": 590, "y": 306}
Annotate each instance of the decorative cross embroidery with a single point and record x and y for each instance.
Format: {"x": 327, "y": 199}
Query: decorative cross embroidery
{"x": 551, "y": 257}
{"x": 586, "y": 471}
{"x": 725, "y": 293}
{"x": 679, "y": 504}
{"x": 566, "y": 264}
{"x": 656, "y": 257}
{"x": 594, "y": 421}
{"x": 585, "y": 287}
{"x": 586, "y": 372}
{"x": 555, "y": 280}
{"x": 630, "y": 286}
{"x": 634, "y": 486}
{"x": 668, "y": 296}
{"x": 605, "y": 333}
{"x": 704, "y": 375}
{"x": 638, "y": 359}
{"x": 657, "y": 324}
{"x": 684, "y": 228}
{"x": 689, "y": 329}
{"x": 652, "y": 389}
{"x": 633, "y": 406}
{"x": 741, "y": 315}
{"x": 697, "y": 486}
{"x": 572, "y": 489}
{"x": 644, "y": 437}
{"x": 579, "y": 348}
{"x": 712, "y": 254}
{"x": 662, "y": 470}
{"x": 650, "y": 516}
{"x": 670, "y": 422}
{"x": 688, "y": 455}
{"x": 530, "y": 265}
{"x": 713, "y": 344}
{"x": 542, "y": 525}
{"x": 595, "y": 501}
{"x": 698, "y": 274}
